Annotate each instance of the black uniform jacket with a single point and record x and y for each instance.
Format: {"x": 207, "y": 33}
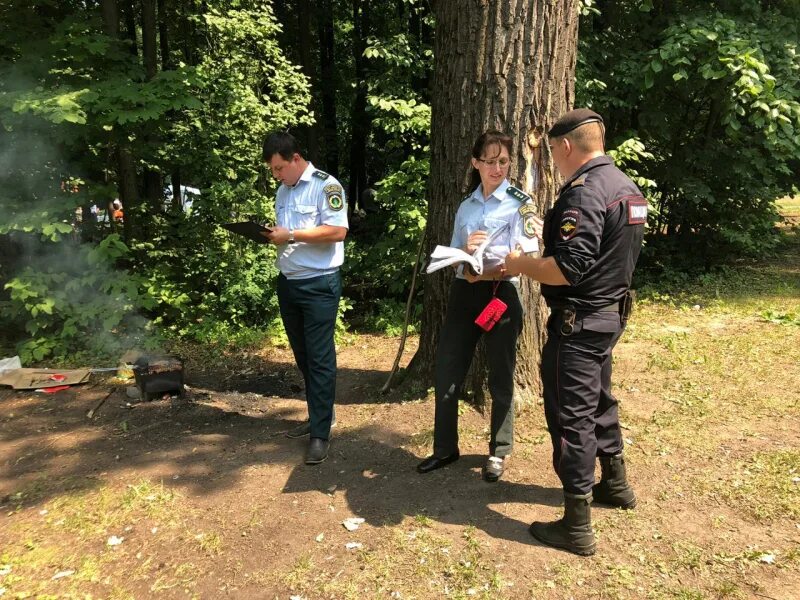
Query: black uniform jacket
{"x": 594, "y": 232}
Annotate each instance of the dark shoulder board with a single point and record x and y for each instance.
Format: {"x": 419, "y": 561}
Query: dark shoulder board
{"x": 321, "y": 174}
{"x": 517, "y": 194}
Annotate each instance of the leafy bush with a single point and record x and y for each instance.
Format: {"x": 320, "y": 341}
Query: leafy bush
{"x": 77, "y": 301}
{"x": 712, "y": 92}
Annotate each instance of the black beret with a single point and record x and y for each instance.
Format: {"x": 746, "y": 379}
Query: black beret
{"x": 573, "y": 119}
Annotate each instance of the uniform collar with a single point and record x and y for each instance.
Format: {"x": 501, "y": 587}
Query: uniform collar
{"x": 587, "y": 166}
{"x": 306, "y": 176}
{"x": 499, "y": 193}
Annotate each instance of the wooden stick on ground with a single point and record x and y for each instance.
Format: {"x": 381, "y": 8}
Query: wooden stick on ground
{"x": 97, "y": 406}
{"x": 410, "y": 300}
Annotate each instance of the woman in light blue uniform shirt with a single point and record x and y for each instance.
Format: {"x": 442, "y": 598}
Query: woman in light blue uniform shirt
{"x": 492, "y": 208}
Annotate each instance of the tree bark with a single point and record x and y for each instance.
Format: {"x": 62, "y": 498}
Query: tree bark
{"x": 124, "y": 163}
{"x": 163, "y": 34}
{"x": 152, "y": 181}
{"x": 110, "y": 17}
{"x": 328, "y": 87}
{"x": 359, "y": 119}
{"x": 510, "y": 65}
{"x": 129, "y": 18}
{"x": 149, "y": 52}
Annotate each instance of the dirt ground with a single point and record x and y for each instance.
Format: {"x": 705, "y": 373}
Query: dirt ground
{"x": 207, "y": 498}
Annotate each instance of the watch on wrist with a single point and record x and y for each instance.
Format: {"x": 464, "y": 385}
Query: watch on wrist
{"x": 291, "y": 239}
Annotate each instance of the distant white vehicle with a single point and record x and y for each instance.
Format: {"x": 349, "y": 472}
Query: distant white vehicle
{"x": 188, "y": 194}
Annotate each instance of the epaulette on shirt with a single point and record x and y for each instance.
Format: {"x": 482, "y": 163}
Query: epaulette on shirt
{"x": 578, "y": 182}
{"x": 321, "y": 174}
{"x": 517, "y": 194}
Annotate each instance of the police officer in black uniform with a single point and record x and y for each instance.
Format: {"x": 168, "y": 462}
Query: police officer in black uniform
{"x": 592, "y": 238}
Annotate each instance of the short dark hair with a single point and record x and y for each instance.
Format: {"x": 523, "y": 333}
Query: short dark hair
{"x": 282, "y": 143}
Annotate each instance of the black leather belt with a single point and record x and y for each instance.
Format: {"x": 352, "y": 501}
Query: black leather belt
{"x": 610, "y": 308}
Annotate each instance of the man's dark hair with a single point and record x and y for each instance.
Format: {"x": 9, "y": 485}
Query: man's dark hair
{"x": 281, "y": 143}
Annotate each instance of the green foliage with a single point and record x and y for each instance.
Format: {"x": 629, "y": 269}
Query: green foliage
{"x": 69, "y": 97}
{"x": 390, "y": 318}
{"x": 383, "y": 250}
{"x": 78, "y": 301}
{"x": 712, "y": 92}
{"x": 385, "y": 260}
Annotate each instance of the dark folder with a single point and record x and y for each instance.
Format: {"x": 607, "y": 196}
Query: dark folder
{"x": 249, "y": 229}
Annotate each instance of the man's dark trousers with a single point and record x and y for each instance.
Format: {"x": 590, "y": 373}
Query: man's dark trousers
{"x": 308, "y": 309}
{"x": 582, "y": 414}
{"x": 457, "y": 342}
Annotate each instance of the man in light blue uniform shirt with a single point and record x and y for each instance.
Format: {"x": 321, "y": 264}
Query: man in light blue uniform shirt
{"x": 311, "y": 224}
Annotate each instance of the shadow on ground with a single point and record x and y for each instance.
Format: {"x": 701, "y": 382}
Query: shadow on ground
{"x": 208, "y": 447}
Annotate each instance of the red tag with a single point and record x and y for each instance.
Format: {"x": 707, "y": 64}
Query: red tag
{"x": 491, "y": 314}
{"x": 53, "y": 390}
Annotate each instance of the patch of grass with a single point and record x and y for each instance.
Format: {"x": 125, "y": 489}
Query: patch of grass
{"x": 152, "y": 497}
{"x": 728, "y": 589}
{"x": 767, "y": 486}
{"x": 181, "y": 575}
{"x": 411, "y": 563}
{"x": 70, "y": 533}
{"x": 687, "y": 556}
{"x": 687, "y": 594}
{"x": 295, "y": 579}
{"x": 210, "y": 543}
{"x": 423, "y": 520}
{"x": 422, "y": 439}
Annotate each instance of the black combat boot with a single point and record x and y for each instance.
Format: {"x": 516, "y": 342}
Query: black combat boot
{"x": 613, "y": 488}
{"x": 573, "y": 531}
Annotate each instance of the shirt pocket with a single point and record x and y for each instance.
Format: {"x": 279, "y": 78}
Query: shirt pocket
{"x": 304, "y": 216}
{"x": 500, "y": 245}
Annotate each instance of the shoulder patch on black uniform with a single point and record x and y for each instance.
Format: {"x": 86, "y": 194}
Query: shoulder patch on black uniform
{"x": 517, "y": 194}
{"x": 637, "y": 210}
{"x": 570, "y": 219}
{"x": 578, "y": 182}
{"x": 333, "y": 194}
{"x": 320, "y": 174}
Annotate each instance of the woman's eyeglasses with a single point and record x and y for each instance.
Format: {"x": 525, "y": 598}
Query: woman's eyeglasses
{"x": 492, "y": 162}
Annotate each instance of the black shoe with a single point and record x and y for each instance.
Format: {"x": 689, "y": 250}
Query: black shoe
{"x": 303, "y": 429}
{"x": 572, "y": 532}
{"x": 317, "y": 451}
{"x": 433, "y": 462}
{"x": 493, "y": 469}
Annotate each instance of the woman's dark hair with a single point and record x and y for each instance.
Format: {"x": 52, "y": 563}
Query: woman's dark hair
{"x": 282, "y": 143}
{"x": 486, "y": 139}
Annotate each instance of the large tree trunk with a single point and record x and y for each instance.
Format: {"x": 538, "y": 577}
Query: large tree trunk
{"x": 163, "y": 34}
{"x": 110, "y": 15}
{"x": 328, "y": 87}
{"x": 152, "y": 181}
{"x": 505, "y": 64}
{"x": 129, "y": 18}
{"x": 124, "y": 164}
{"x": 359, "y": 119}
{"x": 149, "y": 52}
